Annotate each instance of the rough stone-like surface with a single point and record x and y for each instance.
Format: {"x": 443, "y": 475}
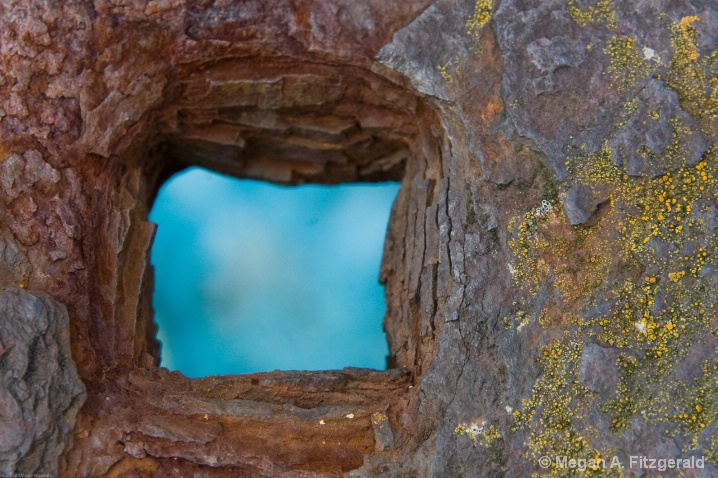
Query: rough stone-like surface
{"x": 40, "y": 391}
{"x": 550, "y": 264}
{"x": 644, "y": 151}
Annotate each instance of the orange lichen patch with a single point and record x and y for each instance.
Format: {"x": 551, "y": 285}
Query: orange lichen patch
{"x": 688, "y": 33}
{"x": 693, "y": 76}
{"x": 493, "y": 109}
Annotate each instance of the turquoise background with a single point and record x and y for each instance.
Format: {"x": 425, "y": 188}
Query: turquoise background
{"x": 251, "y": 276}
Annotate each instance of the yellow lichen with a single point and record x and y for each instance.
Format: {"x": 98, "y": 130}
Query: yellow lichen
{"x": 482, "y": 15}
{"x": 601, "y": 12}
{"x": 378, "y": 417}
{"x": 444, "y": 72}
{"x": 657, "y": 303}
{"x": 693, "y": 77}
{"x": 627, "y": 64}
{"x": 480, "y": 434}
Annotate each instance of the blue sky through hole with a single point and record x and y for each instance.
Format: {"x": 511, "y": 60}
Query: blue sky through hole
{"x": 253, "y": 277}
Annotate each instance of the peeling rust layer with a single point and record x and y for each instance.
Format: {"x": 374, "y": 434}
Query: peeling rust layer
{"x": 290, "y": 123}
{"x": 268, "y": 423}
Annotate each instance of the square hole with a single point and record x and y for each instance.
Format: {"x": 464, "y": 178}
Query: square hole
{"x": 276, "y": 124}
{"x": 253, "y": 277}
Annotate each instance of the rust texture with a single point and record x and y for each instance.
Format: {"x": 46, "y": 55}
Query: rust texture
{"x": 549, "y": 264}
